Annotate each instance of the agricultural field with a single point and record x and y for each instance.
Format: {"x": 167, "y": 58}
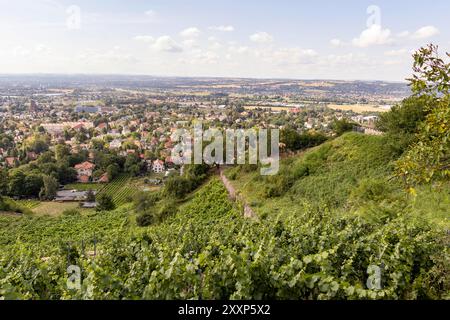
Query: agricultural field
{"x": 120, "y": 190}
{"x": 359, "y": 108}
{"x": 52, "y": 208}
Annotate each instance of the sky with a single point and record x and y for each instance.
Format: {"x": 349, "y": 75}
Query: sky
{"x": 320, "y": 39}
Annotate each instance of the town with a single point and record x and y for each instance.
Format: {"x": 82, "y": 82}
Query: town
{"x": 62, "y": 141}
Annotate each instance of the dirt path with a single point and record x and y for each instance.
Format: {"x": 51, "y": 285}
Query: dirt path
{"x": 248, "y": 211}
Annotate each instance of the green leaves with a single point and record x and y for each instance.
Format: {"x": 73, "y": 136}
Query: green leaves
{"x": 208, "y": 251}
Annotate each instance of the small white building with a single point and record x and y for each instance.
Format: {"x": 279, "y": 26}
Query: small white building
{"x": 115, "y": 144}
{"x": 158, "y": 166}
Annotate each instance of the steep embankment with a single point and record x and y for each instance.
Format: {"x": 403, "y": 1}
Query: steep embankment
{"x": 349, "y": 175}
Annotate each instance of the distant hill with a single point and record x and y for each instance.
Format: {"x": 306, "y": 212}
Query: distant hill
{"x": 329, "y": 90}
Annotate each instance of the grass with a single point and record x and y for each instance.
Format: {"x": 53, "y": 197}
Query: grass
{"x": 350, "y": 176}
{"x": 30, "y": 204}
{"x": 84, "y": 186}
{"x": 53, "y": 208}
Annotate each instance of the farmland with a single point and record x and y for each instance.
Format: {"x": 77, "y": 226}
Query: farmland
{"x": 358, "y": 107}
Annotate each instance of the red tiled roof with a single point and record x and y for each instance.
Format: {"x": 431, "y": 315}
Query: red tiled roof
{"x": 85, "y": 165}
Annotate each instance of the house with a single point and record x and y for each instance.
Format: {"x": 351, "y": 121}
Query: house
{"x": 102, "y": 126}
{"x": 103, "y": 178}
{"x": 169, "y": 162}
{"x": 84, "y": 171}
{"x": 11, "y": 161}
{"x": 31, "y": 155}
{"x": 158, "y": 166}
{"x": 115, "y": 144}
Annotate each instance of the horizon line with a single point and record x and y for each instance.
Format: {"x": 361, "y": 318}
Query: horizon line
{"x": 198, "y": 77}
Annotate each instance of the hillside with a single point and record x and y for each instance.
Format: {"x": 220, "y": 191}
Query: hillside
{"x": 325, "y": 221}
{"x": 349, "y": 175}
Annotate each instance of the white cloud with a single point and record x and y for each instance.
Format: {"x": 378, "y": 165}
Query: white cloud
{"x": 374, "y": 35}
{"x": 336, "y": 43}
{"x": 222, "y": 28}
{"x": 261, "y": 37}
{"x": 191, "y": 32}
{"x": 20, "y": 51}
{"x": 425, "y": 32}
{"x": 167, "y": 44}
{"x": 42, "y": 49}
{"x": 147, "y": 39}
{"x": 396, "y": 53}
{"x": 285, "y": 56}
{"x": 403, "y": 34}
{"x": 191, "y": 43}
{"x": 238, "y": 50}
{"x": 113, "y": 56}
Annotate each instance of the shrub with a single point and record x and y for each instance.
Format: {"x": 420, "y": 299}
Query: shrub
{"x": 104, "y": 203}
{"x": 169, "y": 208}
{"x": 145, "y": 219}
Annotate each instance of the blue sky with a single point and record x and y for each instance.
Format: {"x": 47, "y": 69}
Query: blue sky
{"x": 350, "y": 39}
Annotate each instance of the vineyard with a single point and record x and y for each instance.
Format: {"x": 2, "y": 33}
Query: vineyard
{"x": 358, "y": 241}
{"x": 209, "y": 251}
{"x": 119, "y": 189}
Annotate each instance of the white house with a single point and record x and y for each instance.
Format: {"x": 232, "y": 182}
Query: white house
{"x": 158, "y": 166}
{"x": 115, "y": 144}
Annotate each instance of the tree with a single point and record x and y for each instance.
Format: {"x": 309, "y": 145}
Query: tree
{"x": 62, "y": 151}
{"x": 177, "y": 187}
{"x": 112, "y": 170}
{"x": 132, "y": 165}
{"x": 342, "y": 126}
{"x": 402, "y": 122}
{"x": 33, "y": 184}
{"x": 16, "y": 182}
{"x": 90, "y": 196}
{"x": 296, "y": 141}
{"x": 3, "y": 182}
{"x": 144, "y": 201}
{"x": 48, "y": 191}
{"x": 429, "y": 158}
{"x": 105, "y": 203}
{"x": 405, "y": 117}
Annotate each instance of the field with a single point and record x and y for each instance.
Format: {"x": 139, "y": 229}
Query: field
{"x": 122, "y": 188}
{"x": 53, "y": 208}
{"x": 84, "y": 186}
{"x": 271, "y": 108}
{"x": 359, "y": 108}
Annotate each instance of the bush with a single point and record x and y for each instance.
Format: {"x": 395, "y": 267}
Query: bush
{"x": 105, "y": 203}
{"x": 169, "y": 208}
{"x": 10, "y": 205}
{"x": 144, "y": 201}
{"x": 145, "y": 219}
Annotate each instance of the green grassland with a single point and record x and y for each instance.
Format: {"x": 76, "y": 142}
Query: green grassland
{"x": 351, "y": 175}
